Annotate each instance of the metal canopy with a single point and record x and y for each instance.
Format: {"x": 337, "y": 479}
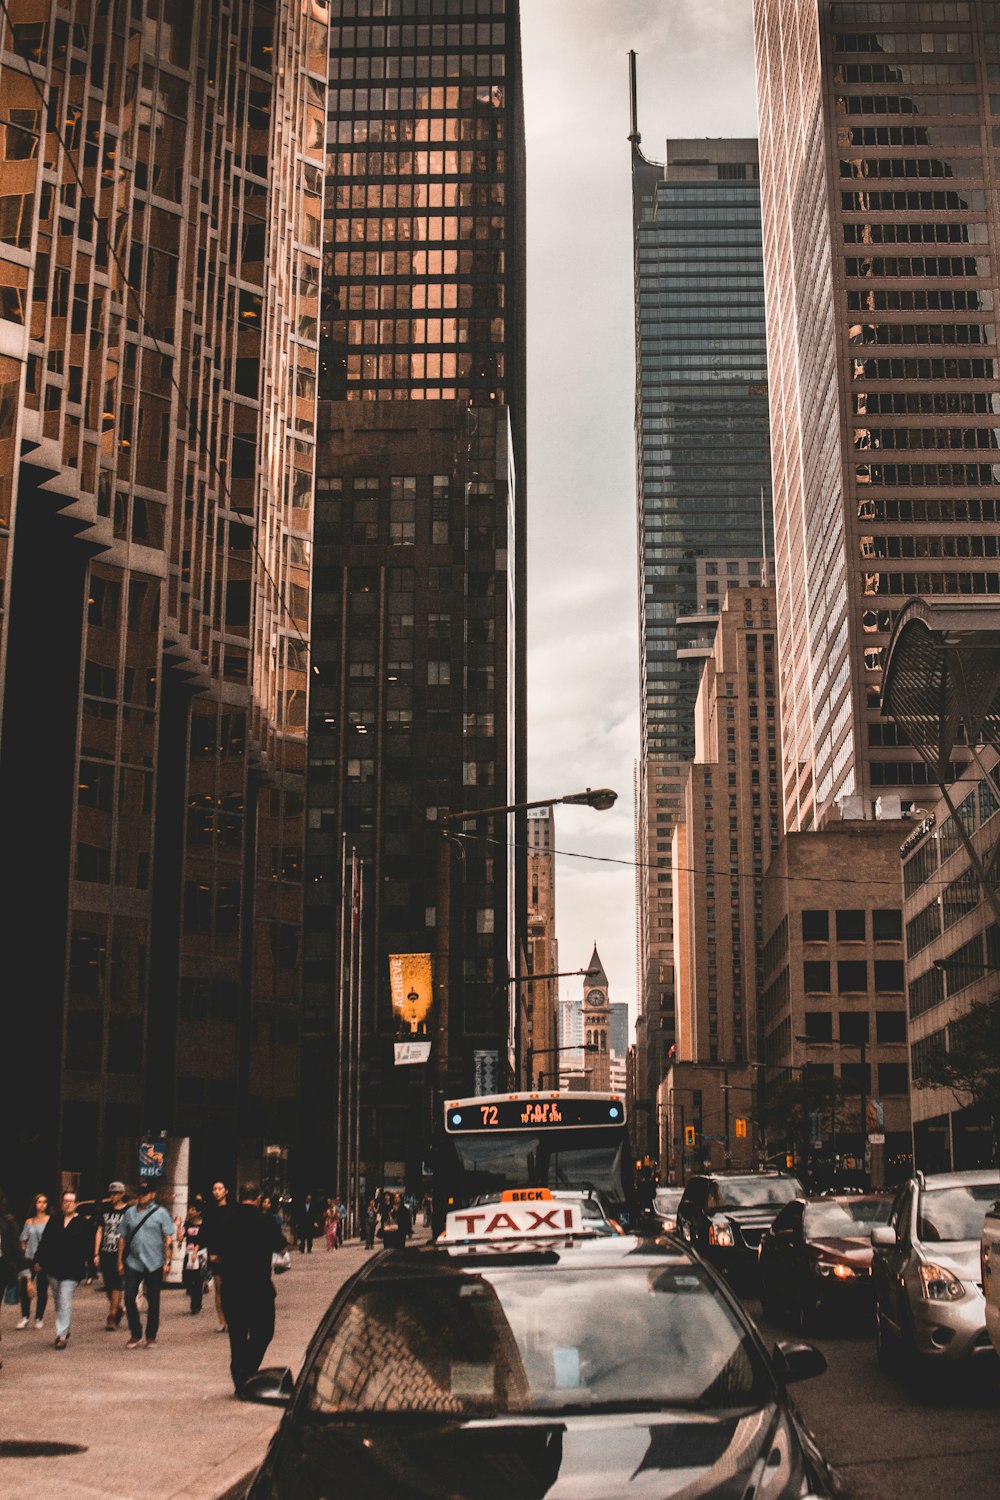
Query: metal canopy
{"x": 942, "y": 675}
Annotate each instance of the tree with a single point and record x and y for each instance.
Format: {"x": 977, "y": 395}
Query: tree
{"x": 785, "y": 1113}
{"x": 968, "y": 1063}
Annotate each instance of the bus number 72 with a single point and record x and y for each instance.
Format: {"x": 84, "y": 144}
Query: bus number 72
{"x": 489, "y": 1113}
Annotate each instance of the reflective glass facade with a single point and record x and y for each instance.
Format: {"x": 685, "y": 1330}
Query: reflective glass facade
{"x": 418, "y": 697}
{"x": 703, "y": 480}
{"x": 160, "y": 221}
{"x": 879, "y": 169}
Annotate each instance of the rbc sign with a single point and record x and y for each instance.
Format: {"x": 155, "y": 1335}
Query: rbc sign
{"x": 152, "y": 1158}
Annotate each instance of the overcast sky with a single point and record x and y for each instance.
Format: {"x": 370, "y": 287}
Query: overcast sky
{"x": 695, "y": 78}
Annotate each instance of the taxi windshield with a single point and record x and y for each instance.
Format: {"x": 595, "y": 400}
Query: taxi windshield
{"x": 525, "y": 1339}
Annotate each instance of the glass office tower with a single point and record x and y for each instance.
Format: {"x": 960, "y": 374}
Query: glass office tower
{"x": 418, "y": 697}
{"x": 703, "y": 480}
{"x": 878, "y": 174}
{"x": 160, "y": 216}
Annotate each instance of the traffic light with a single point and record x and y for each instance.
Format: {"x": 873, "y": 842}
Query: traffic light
{"x": 789, "y": 1161}
{"x": 741, "y": 1128}
{"x": 689, "y": 1135}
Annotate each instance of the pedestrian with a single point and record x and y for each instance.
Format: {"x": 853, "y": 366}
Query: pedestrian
{"x": 10, "y": 1252}
{"x": 195, "y": 1256}
{"x": 305, "y": 1224}
{"x": 330, "y": 1223}
{"x": 213, "y": 1220}
{"x": 28, "y": 1281}
{"x": 249, "y": 1240}
{"x": 341, "y": 1208}
{"x": 106, "y": 1237}
{"x": 144, "y": 1249}
{"x": 404, "y": 1220}
{"x": 63, "y": 1249}
{"x": 388, "y": 1222}
{"x": 371, "y": 1224}
{"x": 427, "y": 1207}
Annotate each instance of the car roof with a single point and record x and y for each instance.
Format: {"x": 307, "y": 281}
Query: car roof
{"x": 770, "y": 1175}
{"x": 982, "y": 1177}
{"x": 583, "y": 1251}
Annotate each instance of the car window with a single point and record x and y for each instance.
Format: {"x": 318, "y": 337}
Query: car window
{"x": 954, "y": 1213}
{"x": 667, "y": 1200}
{"x": 757, "y": 1192}
{"x": 532, "y": 1340}
{"x": 854, "y": 1219}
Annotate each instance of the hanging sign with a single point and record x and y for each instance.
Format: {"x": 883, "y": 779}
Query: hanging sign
{"x": 410, "y": 979}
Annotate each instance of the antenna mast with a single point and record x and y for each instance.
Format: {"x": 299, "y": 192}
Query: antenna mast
{"x": 633, "y": 134}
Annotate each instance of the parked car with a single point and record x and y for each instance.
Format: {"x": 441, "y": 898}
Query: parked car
{"x": 724, "y": 1216}
{"x": 817, "y": 1255}
{"x": 989, "y": 1261}
{"x": 929, "y": 1303}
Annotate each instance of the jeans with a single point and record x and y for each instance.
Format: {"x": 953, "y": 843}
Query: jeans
{"x": 41, "y": 1294}
{"x": 250, "y": 1320}
{"x": 62, "y": 1296}
{"x": 133, "y": 1281}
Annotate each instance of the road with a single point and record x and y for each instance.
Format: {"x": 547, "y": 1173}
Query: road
{"x": 885, "y": 1438}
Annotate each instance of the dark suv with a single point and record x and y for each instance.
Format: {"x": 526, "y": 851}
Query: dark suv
{"x": 724, "y": 1214}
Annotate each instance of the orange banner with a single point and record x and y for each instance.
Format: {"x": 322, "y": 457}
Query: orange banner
{"x": 410, "y": 978}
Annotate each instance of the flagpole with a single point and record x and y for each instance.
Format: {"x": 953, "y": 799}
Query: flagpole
{"x": 344, "y": 929}
{"x": 355, "y": 1205}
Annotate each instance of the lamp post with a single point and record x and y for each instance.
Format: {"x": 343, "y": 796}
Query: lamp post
{"x": 599, "y": 798}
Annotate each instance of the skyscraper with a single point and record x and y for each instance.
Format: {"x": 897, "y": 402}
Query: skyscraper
{"x": 537, "y": 998}
{"x": 418, "y": 699}
{"x": 880, "y": 245}
{"x": 703, "y": 481}
{"x": 160, "y": 217}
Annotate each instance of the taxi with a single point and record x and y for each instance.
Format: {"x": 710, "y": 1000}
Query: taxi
{"x": 520, "y": 1356}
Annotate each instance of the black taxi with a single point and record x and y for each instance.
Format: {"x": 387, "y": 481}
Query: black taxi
{"x": 521, "y": 1356}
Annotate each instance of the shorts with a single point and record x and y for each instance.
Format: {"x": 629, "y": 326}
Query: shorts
{"x": 110, "y": 1274}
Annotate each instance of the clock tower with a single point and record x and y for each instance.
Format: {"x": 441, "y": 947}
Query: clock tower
{"x": 597, "y": 1026}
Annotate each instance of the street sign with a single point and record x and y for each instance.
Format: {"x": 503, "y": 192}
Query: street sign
{"x": 411, "y": 1052}
{"x": 877, "y": 1139}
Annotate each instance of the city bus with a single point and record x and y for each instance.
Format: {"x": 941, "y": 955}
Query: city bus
{"x": 497, "y": 1143}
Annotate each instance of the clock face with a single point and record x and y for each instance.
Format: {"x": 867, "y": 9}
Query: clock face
{"x": 595, "y": 997}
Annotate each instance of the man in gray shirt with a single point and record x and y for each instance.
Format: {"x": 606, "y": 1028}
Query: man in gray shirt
{"x": 144, "y": 1250}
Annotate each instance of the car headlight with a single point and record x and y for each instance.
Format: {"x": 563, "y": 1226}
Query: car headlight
{"x": 835, "y": 1268}
{"x": 721, "y": 1234}
{"x": 938, "y": 1284}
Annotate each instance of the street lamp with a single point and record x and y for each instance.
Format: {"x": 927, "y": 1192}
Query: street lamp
{"x": 599, "y": 798}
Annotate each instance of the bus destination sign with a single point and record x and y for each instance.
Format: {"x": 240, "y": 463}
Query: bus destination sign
{"x": 523, "y": 1113}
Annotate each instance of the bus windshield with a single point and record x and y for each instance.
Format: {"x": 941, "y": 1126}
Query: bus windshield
{"x": 478, "y": 1162}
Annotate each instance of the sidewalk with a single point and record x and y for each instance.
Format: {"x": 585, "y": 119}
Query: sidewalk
{"x": 152, "y": 1424}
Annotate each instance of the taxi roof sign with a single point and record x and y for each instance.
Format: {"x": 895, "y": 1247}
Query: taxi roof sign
{"x": 492, "y": 1222}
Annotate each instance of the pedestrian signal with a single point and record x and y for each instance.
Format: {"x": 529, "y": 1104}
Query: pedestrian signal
{"x": 741, "y": 1128}
{"x": 689, "y": 1139}
{"x": 789, "y": 1161}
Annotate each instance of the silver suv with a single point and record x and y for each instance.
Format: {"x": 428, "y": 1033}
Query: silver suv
{"x": 928, "y": 1295}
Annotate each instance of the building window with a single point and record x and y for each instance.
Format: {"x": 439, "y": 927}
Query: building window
{"x": 816, "y": 976}
{"x": 893, "y": 1078}
{"x": 815, "y": 926}
{"x": 888, "y": 975}
{"x": 887, "y": 925}
{"x": 819, "y": 1025}
{"x": 851, "y": 926}
{"x": 853, "y": 1027}
{"x": 890, "y": 1025}
{"x": 852, "y": 976}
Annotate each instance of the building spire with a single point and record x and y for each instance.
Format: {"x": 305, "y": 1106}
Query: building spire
{"x": 633, "y": 134}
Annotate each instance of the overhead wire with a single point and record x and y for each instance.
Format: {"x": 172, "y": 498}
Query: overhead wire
{"x": 137, "y": 301}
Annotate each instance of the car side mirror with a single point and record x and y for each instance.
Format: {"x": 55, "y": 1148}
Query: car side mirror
{"x": 798, "y": 1361}
{"x": 269, "y": 1387}
{"x": 883, "y": 1237}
